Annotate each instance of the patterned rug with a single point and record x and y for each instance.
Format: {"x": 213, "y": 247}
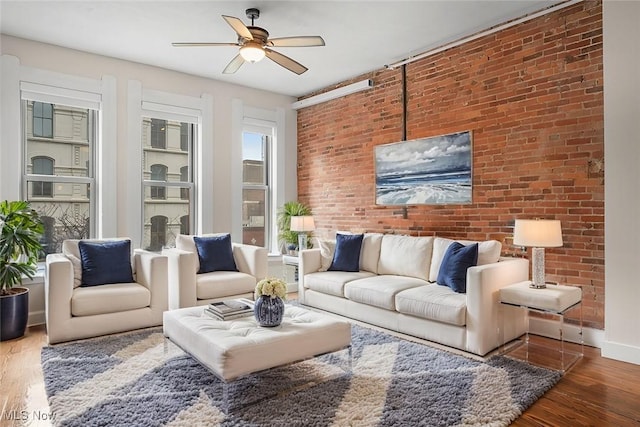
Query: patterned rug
{"x": 141, "y": 379}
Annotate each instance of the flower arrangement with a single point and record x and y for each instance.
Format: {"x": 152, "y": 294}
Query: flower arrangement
{"x": 271, "y": 287}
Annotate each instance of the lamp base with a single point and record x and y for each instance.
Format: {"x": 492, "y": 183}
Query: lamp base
{"x": 534, "y": 286}
{"x": 537, "y": 268}
{"x": 302, "y": 241}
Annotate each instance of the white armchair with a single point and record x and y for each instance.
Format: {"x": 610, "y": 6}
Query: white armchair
{"x": 188, "y": 288}
{"x": 74, "y": 312}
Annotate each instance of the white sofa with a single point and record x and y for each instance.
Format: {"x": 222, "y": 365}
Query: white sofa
{"x": 74, "y": 312}
{"x": 395, "y": 289}
{"x": 187, "y": 288}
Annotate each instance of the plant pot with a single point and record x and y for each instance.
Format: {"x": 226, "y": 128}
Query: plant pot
{"x": 14, "y": 313}
{"x": 268, "y": 311}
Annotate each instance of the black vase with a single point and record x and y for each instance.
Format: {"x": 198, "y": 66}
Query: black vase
{"x": 14, "y": 314}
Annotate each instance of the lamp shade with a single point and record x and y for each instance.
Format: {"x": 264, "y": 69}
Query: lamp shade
{"x": 302, "y": 223}
{"x": 252, "y": 52}
{"x": 538, "y": 233}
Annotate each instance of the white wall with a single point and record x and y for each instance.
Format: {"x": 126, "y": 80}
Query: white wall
{"x": 622, "y": 179}
{"x": 62, "y": 60}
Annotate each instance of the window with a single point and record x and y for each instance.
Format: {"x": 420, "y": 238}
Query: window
{"x": 42, "y": 166}
{"x": 58, "y": 171}
{"x": 255, "y": 188}
{"x": 42, "y": 120}
{"x": 168, "y": 182}
{"x": 184, "y": 177}
{"x": 184, "y": 136}
{"x": 158, "y": 133}
{"x": 158, "y": 173}
{"x": 158, "y": 233}
{"x": 184, "y": 225}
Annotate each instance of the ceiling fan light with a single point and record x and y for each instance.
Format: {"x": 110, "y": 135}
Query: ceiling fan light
{"x": 251, "y": 53}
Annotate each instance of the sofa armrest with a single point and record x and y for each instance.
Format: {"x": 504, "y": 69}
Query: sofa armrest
{"x": 483, "y": 285}
{"x": 309, "y": 261}
{"x": 152, "y": 272}
{"x": 58, "y": 290}
{"x": 181, "y": 273}
{"x": 251, "y": 260}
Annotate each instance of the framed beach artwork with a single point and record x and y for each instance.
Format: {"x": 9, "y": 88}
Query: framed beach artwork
{"x": 427, "y": 171}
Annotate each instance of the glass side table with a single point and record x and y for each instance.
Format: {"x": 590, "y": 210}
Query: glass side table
{"x": 554, "y": 301}
{"x": 290, "y": 264}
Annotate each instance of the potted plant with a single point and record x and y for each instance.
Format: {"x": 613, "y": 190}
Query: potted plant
{"x": 287, "y": 237}
{"x": 20, "y": 232}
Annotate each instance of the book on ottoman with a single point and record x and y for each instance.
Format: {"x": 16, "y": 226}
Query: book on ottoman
{"x": 229, "y": 309}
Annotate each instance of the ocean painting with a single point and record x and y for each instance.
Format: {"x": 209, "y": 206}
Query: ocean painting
{"x": 428, "y": 171}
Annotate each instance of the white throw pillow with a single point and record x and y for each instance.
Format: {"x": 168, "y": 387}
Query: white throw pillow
{"x": 488, "y": 252}
{"x": 370, "y": 254}
{"x": 327, "y": 249}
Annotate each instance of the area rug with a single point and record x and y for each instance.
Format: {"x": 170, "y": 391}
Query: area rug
{"x": 142, "y": 379}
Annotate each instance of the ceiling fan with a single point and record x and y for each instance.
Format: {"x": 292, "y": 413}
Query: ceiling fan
{"x": 255, "y": 44}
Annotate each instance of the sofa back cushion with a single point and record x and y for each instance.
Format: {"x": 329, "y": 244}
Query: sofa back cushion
{"x": 405, "y": 256}
{"x": 488, "y": 252}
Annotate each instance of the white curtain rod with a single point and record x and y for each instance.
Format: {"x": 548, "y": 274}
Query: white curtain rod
{"x": 484, "y": 33}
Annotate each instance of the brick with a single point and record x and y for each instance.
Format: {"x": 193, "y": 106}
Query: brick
{"x": 532, "y": 95}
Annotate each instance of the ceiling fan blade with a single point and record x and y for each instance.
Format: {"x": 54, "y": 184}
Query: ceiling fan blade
{"x": 238, "y": 27}
{"x": 301, "y": 41}
{"x": 285, "y": 61}
{"x": 234, "y": 65}
{"x": 197, "y": 44}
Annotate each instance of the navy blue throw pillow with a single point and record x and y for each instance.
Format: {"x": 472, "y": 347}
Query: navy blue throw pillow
{"x": 215, "y": 253}
{"x": 347, "y": 254}
{"x": 105, "y": 262}
{"x": 456, "y": 260}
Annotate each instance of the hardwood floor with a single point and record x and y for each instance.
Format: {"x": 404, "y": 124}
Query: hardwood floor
{"x": 595, "y": 392}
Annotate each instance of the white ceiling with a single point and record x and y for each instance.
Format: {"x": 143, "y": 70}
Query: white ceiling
{"x": 360, "y": 36}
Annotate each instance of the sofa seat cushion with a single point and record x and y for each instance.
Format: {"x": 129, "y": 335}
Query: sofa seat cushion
{"x": 111, "y": 298}
{"x": 434, "y": 302}
{"x": 332, "y": 282}
{"x": 218, "y": 284}
{"x": 380, "y": 291}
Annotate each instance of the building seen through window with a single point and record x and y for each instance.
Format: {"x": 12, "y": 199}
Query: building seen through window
{"x": 167, "y": 181}
{"x": 58, "y": 169}
{"x": 255, "y": 189}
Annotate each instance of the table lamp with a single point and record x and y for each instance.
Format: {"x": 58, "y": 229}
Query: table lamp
{"x": 537, "y": 234}
{"x": 302, "y": 224}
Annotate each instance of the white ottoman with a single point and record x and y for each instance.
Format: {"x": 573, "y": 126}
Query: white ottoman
{"x": 234, "y": 348}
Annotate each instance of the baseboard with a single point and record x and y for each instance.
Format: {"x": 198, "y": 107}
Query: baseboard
{"x": 622, "y": 352}
{"x": 36, "y": 318}
{"x": 549, "y": 328}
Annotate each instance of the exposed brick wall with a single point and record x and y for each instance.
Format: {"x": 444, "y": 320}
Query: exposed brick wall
{"x": 532, "y": 96}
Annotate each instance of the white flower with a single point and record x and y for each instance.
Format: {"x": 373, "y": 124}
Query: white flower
{"x": 271, "y": 287}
